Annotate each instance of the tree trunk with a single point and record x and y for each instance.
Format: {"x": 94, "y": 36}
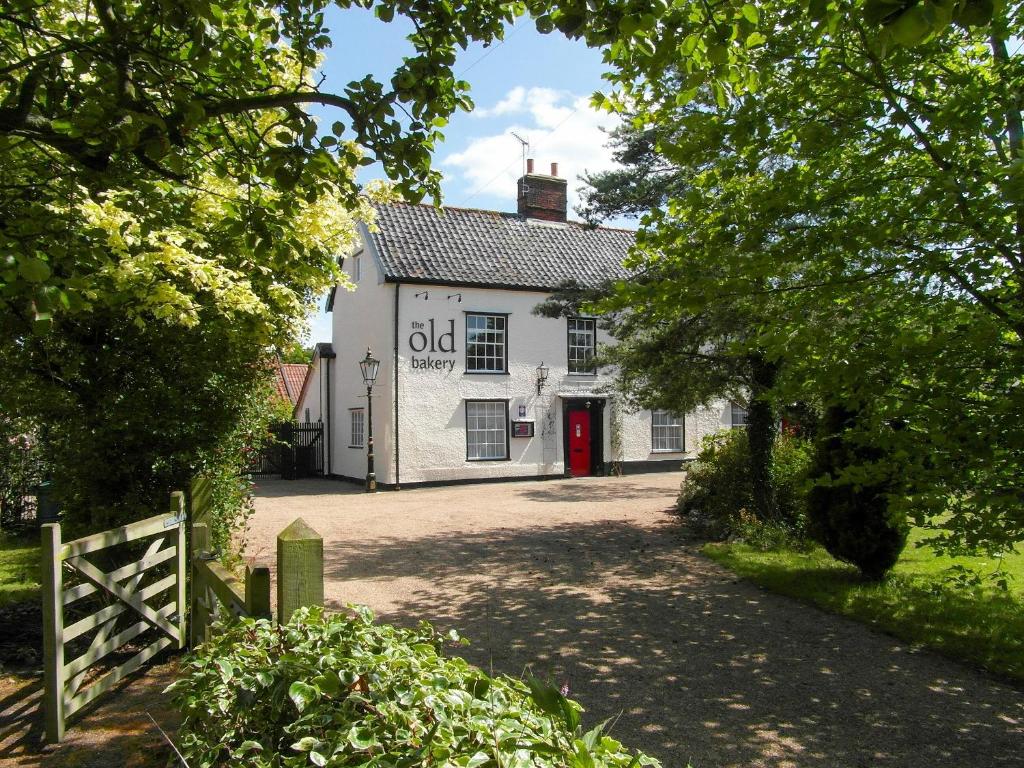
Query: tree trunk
{"x": 761, "y": 436}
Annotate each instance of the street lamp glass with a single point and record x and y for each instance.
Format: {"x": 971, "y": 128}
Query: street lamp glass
{"x": 369, "y": 365}
{"x": 542, "y": 373}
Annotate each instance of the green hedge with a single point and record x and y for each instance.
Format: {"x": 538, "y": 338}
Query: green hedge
{"x": 343, "y": 691}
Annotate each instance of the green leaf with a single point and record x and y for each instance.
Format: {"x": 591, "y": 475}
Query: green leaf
{"x": 590, "y": 738}
{"x": 302, "y": 694}
{"x": 227, "y": 670}
{"x": 911, "y": 27}
{"x": 305, "y": 744}
{"x": 749, "y": 13}
{"x": 546, "y": 697}
{"x": 755, "y": 39}
{"x": 33, "y": 270}
{"x": 317, "y": 759}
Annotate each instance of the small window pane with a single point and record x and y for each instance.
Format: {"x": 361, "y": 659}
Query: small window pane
{"x": 582, "y": 344}
{"x": 358, "y": 422}
{"x": 486, "y": 430}
{"x": 666, "y": 431}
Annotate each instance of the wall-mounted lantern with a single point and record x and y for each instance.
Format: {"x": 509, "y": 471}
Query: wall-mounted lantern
{"x": 542, "y": 376}
{"x": 369, "y": 366}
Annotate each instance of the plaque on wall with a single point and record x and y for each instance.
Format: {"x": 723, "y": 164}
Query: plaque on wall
{"x": 522, "y": 429}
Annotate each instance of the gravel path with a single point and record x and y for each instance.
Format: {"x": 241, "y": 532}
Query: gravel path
{"x": 587, "y": 580}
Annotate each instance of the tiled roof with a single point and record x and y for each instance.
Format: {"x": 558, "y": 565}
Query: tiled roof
{"x": 419, "y": 243}
{"x": 289, "y": 379}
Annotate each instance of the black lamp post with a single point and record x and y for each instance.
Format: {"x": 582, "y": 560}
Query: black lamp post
{"x": 542, "y": 376}
{"x": 369, "y": 366}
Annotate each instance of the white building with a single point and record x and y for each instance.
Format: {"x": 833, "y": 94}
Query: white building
{"x": 445, "y": 301}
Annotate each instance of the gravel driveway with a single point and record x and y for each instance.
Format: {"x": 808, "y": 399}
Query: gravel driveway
{"x": 587, "y": 581}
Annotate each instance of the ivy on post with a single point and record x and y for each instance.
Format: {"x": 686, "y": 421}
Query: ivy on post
{"x": 300, "y": 569}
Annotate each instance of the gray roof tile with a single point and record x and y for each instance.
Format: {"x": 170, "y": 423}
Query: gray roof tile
{"x": 419, "y": 243}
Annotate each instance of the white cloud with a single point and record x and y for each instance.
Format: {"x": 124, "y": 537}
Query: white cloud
{"x": 513, "y": 102}
{"x": 561, "y": 127}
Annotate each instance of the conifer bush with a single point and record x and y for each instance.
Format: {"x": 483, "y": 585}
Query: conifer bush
{"x": 342, "y": 691}
{"x": 848, "y": 506}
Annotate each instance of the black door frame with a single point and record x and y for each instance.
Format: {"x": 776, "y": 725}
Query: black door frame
{"x": 595, "y": 406}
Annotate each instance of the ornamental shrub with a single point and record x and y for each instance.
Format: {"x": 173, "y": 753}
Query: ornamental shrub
{"x": 343, "y": 691}
{"x": 716, "y": 499}
{"x": 848, "y": 506}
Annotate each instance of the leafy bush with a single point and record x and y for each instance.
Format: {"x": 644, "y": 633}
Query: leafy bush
{"x": 717, "y": 498}
{"x": 344, "y": 691}
{"x": 849, "y": 504}
{"x": 716, "y": 491}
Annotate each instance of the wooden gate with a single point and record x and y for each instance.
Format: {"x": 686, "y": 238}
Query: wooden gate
{"x": 293, "y": 450}
{"x": 130, "y": 591}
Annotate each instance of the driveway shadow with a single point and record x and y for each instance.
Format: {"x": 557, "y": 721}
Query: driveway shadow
{"x": 691, "y": 663}
{"x": 580, "y": 490}
{"x": 310, "y": 486}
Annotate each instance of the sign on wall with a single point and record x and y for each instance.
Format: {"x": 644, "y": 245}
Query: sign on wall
{"x": 522, "y": 429}
{"x": 428, "y": 342}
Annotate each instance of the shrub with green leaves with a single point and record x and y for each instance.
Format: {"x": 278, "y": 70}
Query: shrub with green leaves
{"x": 716, "y": 498}
{"x": 343, "y": 691}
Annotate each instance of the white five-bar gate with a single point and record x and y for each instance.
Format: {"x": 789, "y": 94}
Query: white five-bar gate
{"x": 134, "y": 598}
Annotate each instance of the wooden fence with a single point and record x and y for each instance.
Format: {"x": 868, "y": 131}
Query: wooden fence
{"x": 70, "y": 686}
{"x": 217, "y": 594}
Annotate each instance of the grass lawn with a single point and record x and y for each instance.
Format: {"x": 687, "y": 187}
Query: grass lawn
{"x": 19, "y": 569}
{"x": 916, "y": 604}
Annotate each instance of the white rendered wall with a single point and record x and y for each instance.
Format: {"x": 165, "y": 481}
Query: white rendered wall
{"x": 362, "y": 318}
{"x": 312, "y": 395}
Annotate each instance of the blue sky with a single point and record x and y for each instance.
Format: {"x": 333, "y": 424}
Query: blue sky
{"x": 535, "y": 85}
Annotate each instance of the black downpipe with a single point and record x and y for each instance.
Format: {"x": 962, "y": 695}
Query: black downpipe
{"x": 327, "y": 426}
{"x": 398, "y": 485}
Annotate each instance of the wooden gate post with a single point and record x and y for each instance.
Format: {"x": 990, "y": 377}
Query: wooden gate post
{"x": 257, "y": 592}
{"x": 199, "y": 619}
{"x": 178, "y": 510}
{"x": 300, "y": 569}
{"x": 53, "y": 632}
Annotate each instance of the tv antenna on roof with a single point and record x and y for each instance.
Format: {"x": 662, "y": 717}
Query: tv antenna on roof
{"x": 526, "y": 147}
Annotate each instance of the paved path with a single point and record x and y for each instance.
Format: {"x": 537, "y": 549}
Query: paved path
{"x": 587, "y": 580}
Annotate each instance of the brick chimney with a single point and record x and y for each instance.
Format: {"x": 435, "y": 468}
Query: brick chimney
{"x": 542, "y": 196}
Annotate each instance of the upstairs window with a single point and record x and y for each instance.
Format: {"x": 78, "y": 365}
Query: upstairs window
{"x": 582, "y": 344}
{"x": 486, "y": 343}
{"x": 666, "y": 432}
{"x": 737, "y": 416}
{"x": 358, "y": 423}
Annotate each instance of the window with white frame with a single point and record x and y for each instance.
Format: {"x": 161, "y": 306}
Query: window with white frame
{"x": 666, "y": 432}
{"x": 737, "y": 416}
{"x": 486, "y": 430}
{"x": 358, "y": 418}
{"x": 486, "y": 344}
{"x": 582, "y": 344}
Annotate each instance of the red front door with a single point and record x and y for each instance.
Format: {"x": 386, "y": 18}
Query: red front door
{"x": 579, "y": 443}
